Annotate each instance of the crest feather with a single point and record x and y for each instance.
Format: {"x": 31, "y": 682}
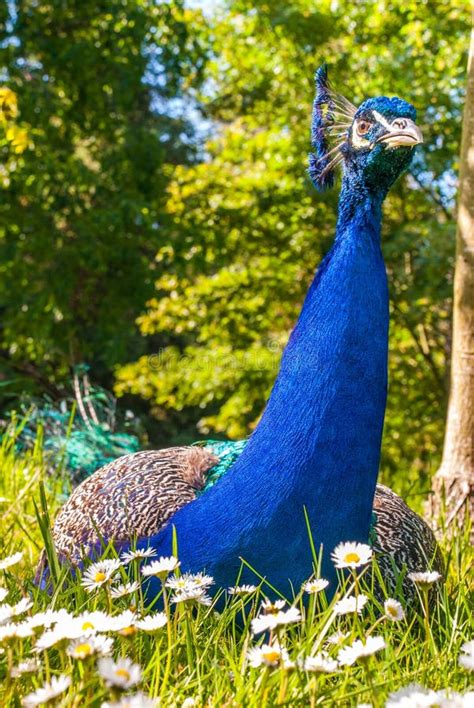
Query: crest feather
{"x": 332, "y": 117}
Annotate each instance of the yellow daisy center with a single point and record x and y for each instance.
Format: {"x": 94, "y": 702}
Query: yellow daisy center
{"x": 87, "y": 625}
{"x": 99, "y": 577}
{"x": 127, "y": 631}
{"x": 392, "y": 611}
{"x": 271, "y": 656}
{"x": 122, "y": 673}
{"x": 83, "y": 650}
{"x": 352, "y": 557}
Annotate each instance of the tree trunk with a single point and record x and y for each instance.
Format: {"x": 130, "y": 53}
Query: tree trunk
{"x": 453, "y": 484}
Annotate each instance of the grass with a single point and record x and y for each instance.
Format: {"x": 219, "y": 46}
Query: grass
{"x": 201, "y": 657}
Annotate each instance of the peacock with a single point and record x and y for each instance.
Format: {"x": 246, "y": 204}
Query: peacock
{"x": 308, "y": 472}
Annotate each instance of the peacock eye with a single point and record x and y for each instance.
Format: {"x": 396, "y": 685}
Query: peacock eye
{"x": 363, "y": 127}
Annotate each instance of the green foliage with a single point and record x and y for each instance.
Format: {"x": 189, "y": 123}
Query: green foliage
{"x": 246, "y": 230}
{"x": 81, "y": 219}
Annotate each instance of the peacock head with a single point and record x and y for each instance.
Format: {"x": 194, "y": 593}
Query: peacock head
{"x": 374, "y": 142}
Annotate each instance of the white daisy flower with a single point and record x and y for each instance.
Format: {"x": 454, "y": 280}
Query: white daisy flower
{"x": 122, "y": 673}
{"x": 48, "y": 617}
{"x": 124, "y": 623}
{"x": 350, "y": 604}
{"x": 23, "y": 630}
{"x": 5, "y": 613}
{"x": 49, "y": 639}
{"x": 412, "y": 696}
{"x": 25, "y": 667}
{"x": 452, "y": 699}
{"x": 137, "y": 700}
{"x": 314, "y": 586}
{"x": 161, "y": 568}
{"x": 22, "y": 606}
{"x": 271, "y": 608}
{"x": 265, "y": 622}
{"x": 11, "y": 631}
{"x": 99, "y": 574}
{"x": 289, "y": 616}
{"x": 46, "y": 693}
{"x": 393, "y": 610}
{"x": 466, "y": 658}
{"x": 337, "y": 638}
{"x": 267, "y": 655}
{"x": 87, "y": 623}
{"x": 73, "y": 628}
{"x": 181, "y": 584}
{"x": 425, "y": 580}
{"x": 84, "y": 647}
{"x": 189, "y": 702}
{"x": 3, "y": 594}
{"x": 8, "y": 611}
{"x": 242, "y": 589}
{"x": 124, "y": 590}
{"x": 321, "y": 663}
{"x": 138, "y": 554}
{"x": 11, "y": 560}
{"x": 189, "y": 581}
{"x": 192, "y": 595}
{"x": 201, "y": 580}
{"x": 360, "y": 650}
{"x": 351, "y": 555}
{"x": 153, "y": 622}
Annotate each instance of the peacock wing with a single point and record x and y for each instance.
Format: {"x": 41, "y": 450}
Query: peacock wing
{"x": 402, "y": 541}
{"x": 131, "y": 497}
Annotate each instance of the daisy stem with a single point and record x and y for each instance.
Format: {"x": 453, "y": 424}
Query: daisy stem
{"x": 375, "y": 624}
{"x": 425, "y": 602}
{"x": 313, "y": 685}
{"x": 373, "y": 692}
{"x": 156, "y": 676}
{"x": 46, "y": 665}
{"x": 137, "y": 578}
{"x": 356, "y": 593}
{"x": 189, "y": 644}
{"x": 263, "y": 685}
{"x": 108, "y": 600}
{"x": 311, "y": 608}
{"x": 283, "y": 685}
{"x": 9, "y": 666}
{"x": 166, "y": 608}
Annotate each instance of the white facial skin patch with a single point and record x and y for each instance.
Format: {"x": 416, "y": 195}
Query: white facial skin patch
{"x": 383, "y": 121}
{"x": 357, "y": 140}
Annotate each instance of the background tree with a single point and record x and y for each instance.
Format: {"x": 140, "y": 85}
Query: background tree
{"x": 455, "y": 478}
{"x": 81, "y": 217}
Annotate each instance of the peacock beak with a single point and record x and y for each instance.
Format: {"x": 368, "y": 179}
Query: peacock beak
{"x": 402, "y": 131}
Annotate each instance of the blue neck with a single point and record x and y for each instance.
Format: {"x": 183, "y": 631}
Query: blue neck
{"x": 317, "y": 445}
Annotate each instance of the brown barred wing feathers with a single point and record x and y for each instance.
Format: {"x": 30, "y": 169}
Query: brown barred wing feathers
{"x": 131, "y": 497}
{"x": 404, "y": 541}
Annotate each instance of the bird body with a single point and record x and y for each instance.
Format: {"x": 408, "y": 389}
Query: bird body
{"x": 307, "y": 474}
{"x": 136, "y": 494}
{"x": 328, "y": 399}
